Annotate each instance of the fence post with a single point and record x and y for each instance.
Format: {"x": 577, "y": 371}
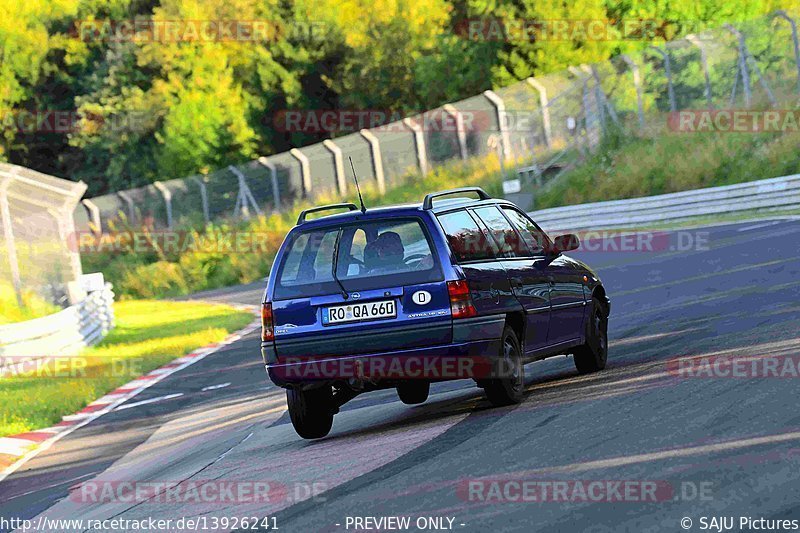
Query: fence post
{"x": 377, "y": 161}
{"x": 742, "y": 50}
{"x": 66, "y": 225}
{"x": 8, "y": 235}
{"x": 419, "y": 144}
{"x": 545, "y": 107}
{"x": 66, "y": 232}
{"x": 693, "y": 39}
{"x": 761, "y": 80}
{"x": 273, "y": 172}
{"x": 608, "y": 107}
{"x": 94, "y": 215}
{"x": 502, "y": 123}
{"x": 462, "y": 135}
{"x": 598, "y": 94}
{"x": 129, "y": 202}
{"x": 203, "y": 198}
{"x": 668, "y": 71}
{"x": 167, "y": 194}
{"x": 338, "y": 165}
{"x": 782, "y": 14}
{"x": 598, "y": 102}
{"x": 245, "y": 197}
{"x": 637, "y": 83}
{"x": 305, "y": 170}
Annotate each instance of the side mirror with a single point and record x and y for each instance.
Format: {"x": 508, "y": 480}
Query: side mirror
{"x": 566, "y": 243}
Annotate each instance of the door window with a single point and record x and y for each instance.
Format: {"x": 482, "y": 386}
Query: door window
{"x": 534, "y": 238}
{"x": 467, "y": 241}
{"x": 503, "y": 232}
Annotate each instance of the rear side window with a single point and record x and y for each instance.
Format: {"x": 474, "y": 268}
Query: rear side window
{"x": 530, "y": 233}
{"x": 366, "y": 255}
{"x": 503, "y": 232}
{"x": 467, "y": 241}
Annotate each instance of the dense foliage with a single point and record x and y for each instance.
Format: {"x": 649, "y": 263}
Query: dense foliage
{"x": 142, "y": 109}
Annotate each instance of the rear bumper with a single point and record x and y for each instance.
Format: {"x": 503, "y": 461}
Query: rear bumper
{"x": 462, "y": 360}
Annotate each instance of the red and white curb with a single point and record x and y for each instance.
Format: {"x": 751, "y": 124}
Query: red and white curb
{"x": 16, "y": 450}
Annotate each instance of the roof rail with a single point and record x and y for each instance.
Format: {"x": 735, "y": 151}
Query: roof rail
{"x": 427, "y": 203}
{"x": 302, "y": 217}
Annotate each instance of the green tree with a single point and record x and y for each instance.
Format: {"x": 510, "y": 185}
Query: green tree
{"x": 25, "y": 41}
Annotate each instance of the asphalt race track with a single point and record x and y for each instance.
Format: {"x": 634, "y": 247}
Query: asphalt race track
{"x": 712, "y": 446}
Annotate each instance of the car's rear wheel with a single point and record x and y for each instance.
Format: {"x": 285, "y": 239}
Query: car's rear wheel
{"x": 311, "y": 411}
{"x": 508, "y": 388}
{"x": 593, "y": 354}
{"x": 413, "y": 392}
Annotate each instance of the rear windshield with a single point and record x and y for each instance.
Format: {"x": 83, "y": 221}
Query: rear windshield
{"x": 367, "y": 255}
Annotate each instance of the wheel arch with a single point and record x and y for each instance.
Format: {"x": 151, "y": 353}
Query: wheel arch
{"x": 599, "y": 292}
{"x": 516, "y": 321}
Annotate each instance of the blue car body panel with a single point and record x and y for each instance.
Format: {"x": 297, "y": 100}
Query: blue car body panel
{"x": 548, "y": 297}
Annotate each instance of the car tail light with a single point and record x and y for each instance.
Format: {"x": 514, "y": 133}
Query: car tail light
{"x": 267, "y": 331}
{"x": 460, "y": 299}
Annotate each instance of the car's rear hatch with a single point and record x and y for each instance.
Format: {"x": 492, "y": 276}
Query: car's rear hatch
{"x": 361, "y": 287}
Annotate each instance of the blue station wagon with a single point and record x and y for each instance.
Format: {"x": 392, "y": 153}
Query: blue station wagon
{"x": 403, "y": 296}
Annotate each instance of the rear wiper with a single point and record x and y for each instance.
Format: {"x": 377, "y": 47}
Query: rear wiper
{"x": 336, "y": 265}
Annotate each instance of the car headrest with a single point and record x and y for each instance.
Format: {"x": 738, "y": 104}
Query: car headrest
{"x": 384, "y": 250}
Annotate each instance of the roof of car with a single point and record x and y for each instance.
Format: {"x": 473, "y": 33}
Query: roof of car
{"x": 395, "y": 211}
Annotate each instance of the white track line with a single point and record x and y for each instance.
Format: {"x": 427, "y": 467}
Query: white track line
{"x": 151, "y": 400}
{"x": 757, "y": 226}
{"x": 215, "y": 387}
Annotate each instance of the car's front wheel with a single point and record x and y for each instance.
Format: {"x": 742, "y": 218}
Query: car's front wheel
{"x": 508, "y": 387}
{"x": 311, "y": 411}
{"x": 592, "y": 355}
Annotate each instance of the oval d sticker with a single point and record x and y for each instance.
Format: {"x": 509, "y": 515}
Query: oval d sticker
{"x": 421, "y": 297}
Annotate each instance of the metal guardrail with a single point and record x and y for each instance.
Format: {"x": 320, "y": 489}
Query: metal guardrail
{"x": 770, "y": 194}
{"x": 63, "y": 333}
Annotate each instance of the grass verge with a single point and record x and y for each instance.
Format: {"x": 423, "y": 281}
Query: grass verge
{"x": 631, "y": 167}
{"x": 33, "y": 306}
{"x": 148, "y": 334}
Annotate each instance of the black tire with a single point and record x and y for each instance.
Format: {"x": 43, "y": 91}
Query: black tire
{"x": 593, "y": 354}
{"x": 311, "y": 411}
{"x": 507, "y": 390}
{"x": 413, "y": 392}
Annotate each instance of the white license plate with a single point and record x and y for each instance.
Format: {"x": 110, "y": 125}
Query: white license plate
{"x": 358, "y": 312}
